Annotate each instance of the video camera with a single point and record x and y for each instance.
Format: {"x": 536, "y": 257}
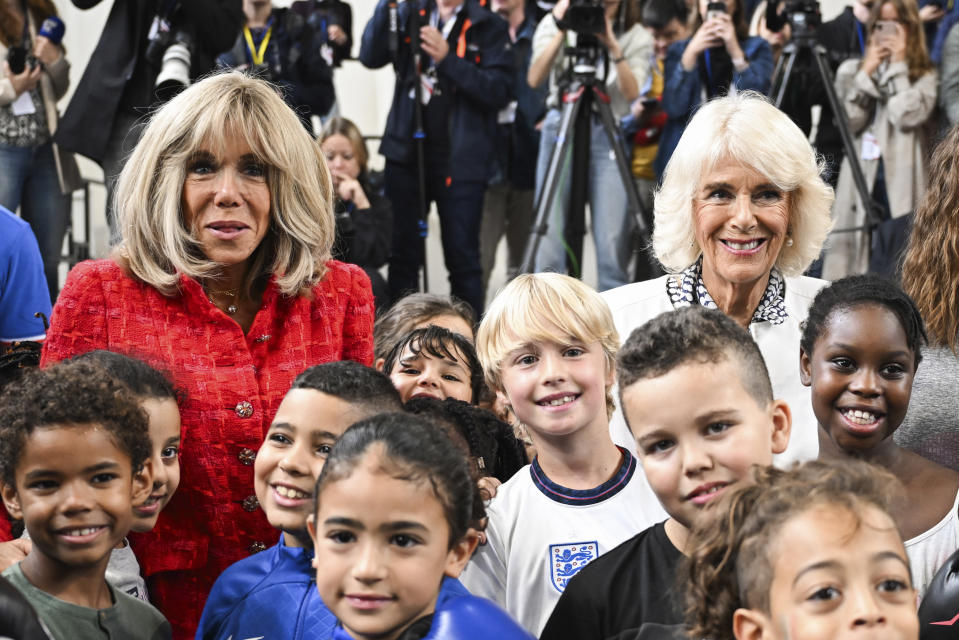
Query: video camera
{"x": 803, "y": 17}
{"x": 584, "y": 16}
{"x": 19, "y": 56}
{"x": 170, "y": 48}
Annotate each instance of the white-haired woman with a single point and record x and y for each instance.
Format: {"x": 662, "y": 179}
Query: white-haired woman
{"x": 741, "y": 213}
{"x": 223, "y": 279}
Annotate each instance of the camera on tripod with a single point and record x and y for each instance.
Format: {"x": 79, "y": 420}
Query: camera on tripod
{"x": 803, "y": 17}
{"x": 584, "y": 17}
{"x": 170, "y": 48}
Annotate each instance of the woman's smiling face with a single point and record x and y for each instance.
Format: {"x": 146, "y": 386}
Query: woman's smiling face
{"x": 741, "y": 221}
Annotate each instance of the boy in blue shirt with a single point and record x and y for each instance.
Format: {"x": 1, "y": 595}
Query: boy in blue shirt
{"x": 273, "y": 594}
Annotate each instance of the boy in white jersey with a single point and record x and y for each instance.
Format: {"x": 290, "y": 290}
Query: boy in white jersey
{"x": 547, "y": 344}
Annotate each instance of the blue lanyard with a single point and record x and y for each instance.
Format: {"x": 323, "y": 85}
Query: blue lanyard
{"x": 862, "y": 44}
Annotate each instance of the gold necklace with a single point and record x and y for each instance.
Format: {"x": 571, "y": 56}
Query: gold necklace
{"x": 231, "y": 293}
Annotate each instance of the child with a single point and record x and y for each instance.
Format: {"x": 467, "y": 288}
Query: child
{"x": 246, "y": 599}
{"x": 155, "y": 395}
{"x": 434, "y": 361}
{"x": 859, "y": 352}
{"x": 415, "y": 311}
{"x": 697, "y": 397}
{"x": 393, "y": 510}
{"x": 547, "y": 344}
{"x": 807, "y": 554}
{"x": 73, "y": 444}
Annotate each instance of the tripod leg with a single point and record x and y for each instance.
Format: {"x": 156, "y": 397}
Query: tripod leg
{"x": 574, "y": 226}
{"x": 787, "y": 74}
{"x": 646, "y": 265}
{"x": 551, "y": 184}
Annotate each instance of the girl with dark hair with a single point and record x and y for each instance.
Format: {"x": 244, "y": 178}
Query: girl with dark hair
{"x": 858, "y": 354}
{"x": 35, "y": 178}
{"x": 394, "y": 509}
{"x": 807, "y": 554}
{"x": 436, "y": 362}
{"x": 364, "y": 218}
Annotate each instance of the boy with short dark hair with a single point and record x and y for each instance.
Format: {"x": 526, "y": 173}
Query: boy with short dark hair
{"x": 273, "y": 593}
{"x": 696, "y": 395}
{"x": 73, "y": 442}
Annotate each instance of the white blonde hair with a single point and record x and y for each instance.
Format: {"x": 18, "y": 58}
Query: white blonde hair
{"x": 157, "y": 246}
{"x": 544, "y": 307}
{"x": 747, "y": 129}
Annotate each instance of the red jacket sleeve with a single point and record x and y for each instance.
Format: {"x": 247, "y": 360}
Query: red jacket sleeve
{"x": 358, "y": 324}
{"x": 79, "y": 322}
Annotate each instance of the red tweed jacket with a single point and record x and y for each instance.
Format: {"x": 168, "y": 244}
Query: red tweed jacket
{"x": 232, "y": 385}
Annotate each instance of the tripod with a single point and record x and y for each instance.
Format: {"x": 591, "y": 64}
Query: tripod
{"x": 806, "y": 42}
{"x": 583, "y": 95}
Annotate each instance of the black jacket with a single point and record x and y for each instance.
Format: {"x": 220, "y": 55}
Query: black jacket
{"x": 325, "y": 13}
{"x": 119, "y": 78}
{"x": 478, "y": 72}
{"x": 295, "y": 64}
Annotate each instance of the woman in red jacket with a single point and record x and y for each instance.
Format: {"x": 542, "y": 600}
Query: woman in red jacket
{"x": 224, "y": 279}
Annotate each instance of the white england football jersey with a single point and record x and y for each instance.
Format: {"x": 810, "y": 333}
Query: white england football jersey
{"x": 540, "y": 534}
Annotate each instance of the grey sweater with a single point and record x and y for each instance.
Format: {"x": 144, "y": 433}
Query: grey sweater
{"x": 931, "y": 426}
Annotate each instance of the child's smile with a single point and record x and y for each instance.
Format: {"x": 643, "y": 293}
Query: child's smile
{"x": 861, "y": 372}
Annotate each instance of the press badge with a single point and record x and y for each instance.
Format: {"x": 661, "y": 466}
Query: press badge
{"x": 870, "y": 146}
{"x": 507, "y": 115}
{"x": 326, "y": 52}
{"x": 427, "y": 86}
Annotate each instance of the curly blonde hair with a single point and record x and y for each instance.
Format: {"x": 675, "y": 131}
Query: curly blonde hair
{"x": 157, "y": 246}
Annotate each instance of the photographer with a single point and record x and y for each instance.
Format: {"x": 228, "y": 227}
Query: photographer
{"x": 118, "y": 85}
{"x": 466, "y": 79}
{"x": 627, "y": 49}
{"x": 718, "y": 56}
{"x": 280, "y": 46}
{"x": 333, "y": 22}
{"x": 35, "y": 74}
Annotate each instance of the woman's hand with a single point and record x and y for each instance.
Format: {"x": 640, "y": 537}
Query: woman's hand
{"x": 349, "y": 190}
{"x": 336, "y": 34}
{"x": 895, "y": 43}
{"x": 931, "y": 13}
{"x": 609, "y": 41}
{"x": 24, "y": 81}
{"x": 559, "y": 9}
{"x": 704, "y": 38}
{"x": 46, "y": 52}
{"x": 876, "y": 52}
{"x": 726, "y": 31}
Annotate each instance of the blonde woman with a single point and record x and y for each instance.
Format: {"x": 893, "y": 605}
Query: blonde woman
{"x": 224, "y": 280}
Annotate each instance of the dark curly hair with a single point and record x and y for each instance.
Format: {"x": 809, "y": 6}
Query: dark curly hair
{"x": 861, "y": 290}
{"x": 416, "y": 450}
{"x": 141, "y": 379}
{"x": 491, "y": 442}
{"x": 411, "y": 310}
{"x": 693, "y": 335}
{"x": 439, "y": 342}
{"x": 729, "y": 565}
{"x": 70, "y": 393}
{"x": 364, "y": 387}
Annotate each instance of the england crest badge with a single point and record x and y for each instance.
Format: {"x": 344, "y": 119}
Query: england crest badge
{"x": 565, "y": 561}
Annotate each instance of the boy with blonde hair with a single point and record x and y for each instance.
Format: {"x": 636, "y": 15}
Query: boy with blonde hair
{"x": 547, "y": 344}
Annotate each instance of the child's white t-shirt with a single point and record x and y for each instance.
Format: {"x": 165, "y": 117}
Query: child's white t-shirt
{"x": 541, "y": 534}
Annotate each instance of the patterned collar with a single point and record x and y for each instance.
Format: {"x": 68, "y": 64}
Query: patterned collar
{"x": 687, "y": 288}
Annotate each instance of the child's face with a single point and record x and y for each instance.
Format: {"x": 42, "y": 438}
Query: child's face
{"x": 699, "y": 432}
{"x": 75, "y": 490}
{"x": 164, "y": 463}
{"x": 422, "y": 374}
{"x": 307, "y": 425}
{"x": 382, "y": 549}
{"x": 835, "y": 578}
{"x": 557, "y": 388}
{"x": 861, "y": 372}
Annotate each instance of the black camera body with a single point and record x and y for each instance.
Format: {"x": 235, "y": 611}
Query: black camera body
{"x": 804, "y": 17}
{"x": 585, "y": 16}
{"x": 18, "y": 57}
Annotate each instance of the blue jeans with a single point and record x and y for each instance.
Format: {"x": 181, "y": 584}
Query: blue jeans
{"x": 460, "y": 207}
{"x": 29, "y": 181}
{"x": 612, "y": 226}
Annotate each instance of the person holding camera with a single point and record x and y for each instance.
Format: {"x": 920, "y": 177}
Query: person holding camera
{"x": 118, "y": 86}
{"x": 627, "y": 49}
{"x": 279, "y": 45}
{"x": 889, "y": 96}
{"x": 465, "y": 78}
{"x": 718, "y": 59}
{"x": 35, "y": 75}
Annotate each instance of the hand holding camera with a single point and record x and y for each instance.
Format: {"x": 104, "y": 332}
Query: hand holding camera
{"x": 26, "y": 80}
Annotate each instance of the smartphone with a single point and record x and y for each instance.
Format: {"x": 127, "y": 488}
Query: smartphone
{"x": 886, "y": 28}
{"x": 714, "y": 9}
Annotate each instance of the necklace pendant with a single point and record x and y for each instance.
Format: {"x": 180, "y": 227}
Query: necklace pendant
{"x": 231, "y": 309}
